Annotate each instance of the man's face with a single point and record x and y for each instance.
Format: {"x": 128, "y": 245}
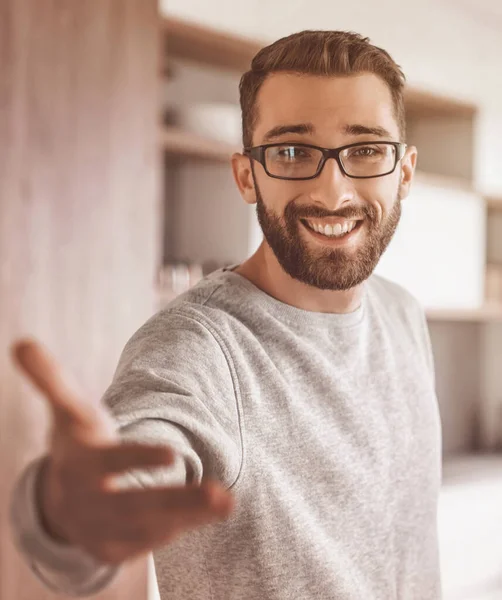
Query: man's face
{"x": 289, "y": 211}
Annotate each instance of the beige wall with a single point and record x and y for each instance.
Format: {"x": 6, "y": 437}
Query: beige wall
{"x": 443, "y": 47}
{"x": 441, "y": 44}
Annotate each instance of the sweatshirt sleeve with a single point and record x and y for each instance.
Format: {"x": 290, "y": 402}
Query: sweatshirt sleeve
{"x": 174, "y": 385}
{"x": 61, "y": 567}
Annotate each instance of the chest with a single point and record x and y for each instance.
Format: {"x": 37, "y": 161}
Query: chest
{"x": 353, "y": 416}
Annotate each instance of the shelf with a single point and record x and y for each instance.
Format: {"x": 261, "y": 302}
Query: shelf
{"x": 485, "y": 314}
{"x": 444, "y": 181}
{"x": 177, "y": 142}
{"x": 494, "y": 203}
{"x": 470, "y": 469}
{"x": 208, "y": 46}
{"x": 426, "y": 104}
{"x": 181, "y": 143}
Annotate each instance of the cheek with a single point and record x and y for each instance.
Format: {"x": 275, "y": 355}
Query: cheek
{"x": 277, "y": 194}
{"x": 380, "y": 195}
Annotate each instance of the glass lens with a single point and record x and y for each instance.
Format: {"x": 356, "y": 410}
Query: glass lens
{"x": 291, "y": 161}
{"x": 369, "y": 160}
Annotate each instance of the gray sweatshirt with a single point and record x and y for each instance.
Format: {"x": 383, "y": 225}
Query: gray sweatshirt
{"x": 325, "y": 427}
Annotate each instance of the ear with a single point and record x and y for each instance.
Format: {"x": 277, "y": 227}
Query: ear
{"x": 243, "y": 175}
{"x": 408, "y": 165}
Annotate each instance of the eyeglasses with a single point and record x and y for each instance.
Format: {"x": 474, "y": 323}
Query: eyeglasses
{"x": 362, "y": 160}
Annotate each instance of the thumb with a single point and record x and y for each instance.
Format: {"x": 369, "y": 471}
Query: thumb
{"x": 71, "y": 413}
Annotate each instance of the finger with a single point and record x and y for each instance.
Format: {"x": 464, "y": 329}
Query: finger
{"x": 142, "y": 520}
{"x": 175, "y": 506}
{"x": 173, "y": 522}
{"x": 127, "y": 456}
{"x": 131, "y": 543}
{"x": 44, "y": 373}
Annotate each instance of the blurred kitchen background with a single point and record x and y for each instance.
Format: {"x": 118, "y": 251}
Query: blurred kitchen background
{"x": 117, "y": 121}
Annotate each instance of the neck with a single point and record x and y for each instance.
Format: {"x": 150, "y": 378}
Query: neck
{"x": 264, "y": 271}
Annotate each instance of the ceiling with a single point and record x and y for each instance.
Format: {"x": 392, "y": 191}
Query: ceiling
{"x": 487, "y": 11}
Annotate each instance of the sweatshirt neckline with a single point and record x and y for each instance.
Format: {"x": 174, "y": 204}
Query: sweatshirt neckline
{"x": 293, "y": 313}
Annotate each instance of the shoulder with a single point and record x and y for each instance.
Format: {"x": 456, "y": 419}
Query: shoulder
{"x": 391, "y": 297}
{"x": 187, "y": 329}
{"x": 392, "y": 294}
{"x": 403, "y": 315}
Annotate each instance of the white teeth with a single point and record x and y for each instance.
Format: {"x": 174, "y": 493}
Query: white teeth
{"x": 335, "y": 230}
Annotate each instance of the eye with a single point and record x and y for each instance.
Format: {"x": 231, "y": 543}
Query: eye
{"x": 366, "y": 151}
{"x": 293, "y": 153}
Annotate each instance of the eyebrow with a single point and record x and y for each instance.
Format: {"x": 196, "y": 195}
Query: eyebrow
{"x": 309, "y": 129}
{"x": 280, "y": 130}
{"x": 357, "y": 129}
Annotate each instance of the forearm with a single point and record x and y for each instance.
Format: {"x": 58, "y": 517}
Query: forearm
{"x": 61, "y": 567}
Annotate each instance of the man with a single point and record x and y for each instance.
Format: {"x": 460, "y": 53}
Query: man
{"x": 281, "y": 415}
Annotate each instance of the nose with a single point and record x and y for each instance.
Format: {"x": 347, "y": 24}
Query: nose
{"x": 332, "y": 188}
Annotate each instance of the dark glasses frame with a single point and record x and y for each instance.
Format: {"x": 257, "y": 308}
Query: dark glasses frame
{"x": 258, "y": 154}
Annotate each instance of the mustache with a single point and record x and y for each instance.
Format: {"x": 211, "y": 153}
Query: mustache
{"x": 294, "y": 212}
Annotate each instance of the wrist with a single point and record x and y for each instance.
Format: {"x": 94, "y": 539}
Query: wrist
{"x": 45, "y": 504}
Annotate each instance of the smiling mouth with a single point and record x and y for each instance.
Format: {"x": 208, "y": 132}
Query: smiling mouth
{"x": 338, "y": 230}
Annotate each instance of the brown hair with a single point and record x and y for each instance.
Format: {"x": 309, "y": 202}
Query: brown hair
{"x": 319, "y": 53}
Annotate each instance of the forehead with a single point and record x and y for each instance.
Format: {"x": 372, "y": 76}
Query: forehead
{"x": 328, "y": 102}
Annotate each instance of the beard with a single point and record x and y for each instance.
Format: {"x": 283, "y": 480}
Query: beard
{"x": 329, "y": 268}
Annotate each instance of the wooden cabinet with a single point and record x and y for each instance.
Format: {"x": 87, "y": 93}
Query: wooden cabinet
{"x": 79, "y": 214}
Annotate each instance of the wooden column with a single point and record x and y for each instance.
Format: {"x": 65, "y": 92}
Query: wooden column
{"x": 80, "y": 214}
